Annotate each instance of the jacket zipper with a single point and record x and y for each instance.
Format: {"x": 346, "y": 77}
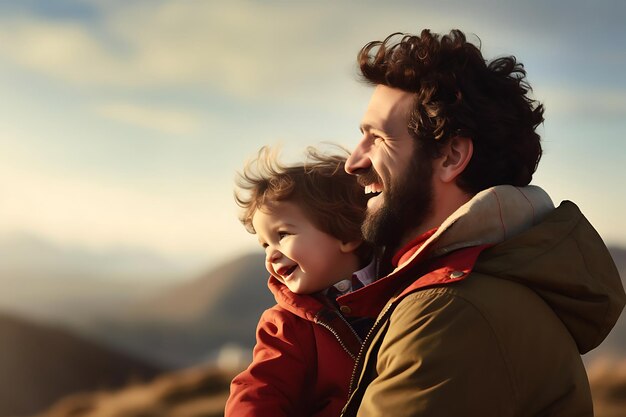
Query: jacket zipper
{"x": 334, "y": 332}
{"x": 359, "y": 358}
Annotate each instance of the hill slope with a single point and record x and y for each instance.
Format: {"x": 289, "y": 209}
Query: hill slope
{"x": 51, "y": 282}
{"x": 40, "y": 364}
{"x": 198, "y": 392}
{"x": 184, "y": 324}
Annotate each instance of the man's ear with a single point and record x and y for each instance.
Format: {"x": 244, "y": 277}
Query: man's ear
{"x": 349, "y": 247}
{"x": 455, "y": 156}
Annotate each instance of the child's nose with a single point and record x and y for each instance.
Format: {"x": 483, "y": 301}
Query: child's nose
{"x": 273, "y": 255}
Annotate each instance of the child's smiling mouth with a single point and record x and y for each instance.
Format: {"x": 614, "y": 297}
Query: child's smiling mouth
{"x": 285, "y": 272}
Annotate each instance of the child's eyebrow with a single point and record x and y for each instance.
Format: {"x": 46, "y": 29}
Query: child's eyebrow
{"x": 288, "y": 225}
{"x": 281, "y": 223}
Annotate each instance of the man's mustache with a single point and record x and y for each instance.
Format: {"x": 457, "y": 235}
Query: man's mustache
{"x": 369, "y": 177}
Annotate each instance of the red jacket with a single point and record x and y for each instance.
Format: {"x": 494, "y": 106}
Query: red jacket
{"x": 302, "y": 361}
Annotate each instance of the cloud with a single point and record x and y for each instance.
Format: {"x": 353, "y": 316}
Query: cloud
{"x": 239, "y": 47}
{"x": 165, "y": 120}
{"x": 583, "y": 102}
{"x": 247, "y": 47}
{"x": 63, "y": 50}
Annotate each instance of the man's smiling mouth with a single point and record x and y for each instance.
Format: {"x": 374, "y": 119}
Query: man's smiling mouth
{"x": 373, "y": 189}
{"x": 371, "y": 182}
{"x": 373, "y": 193}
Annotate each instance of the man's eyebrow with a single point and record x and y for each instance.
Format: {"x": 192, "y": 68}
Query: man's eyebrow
{"x": 365, "y": 126}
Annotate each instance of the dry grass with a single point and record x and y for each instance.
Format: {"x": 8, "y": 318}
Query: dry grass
{"x": 607, "y": 377}
{"x": 198, "y": 392}
{"x": 202, "y": 392}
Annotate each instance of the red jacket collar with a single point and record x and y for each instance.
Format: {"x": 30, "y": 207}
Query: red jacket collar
{"x": 419, "y": 273}
{"x": 410, "y": 248}
{"x": 310, "y": 308}
{"x": 305, "y": 306}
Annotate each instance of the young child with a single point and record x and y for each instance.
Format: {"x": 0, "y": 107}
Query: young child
{"x": 308, "y": 219}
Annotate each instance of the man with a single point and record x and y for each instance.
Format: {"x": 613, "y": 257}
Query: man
{"x": 488, "y": 294}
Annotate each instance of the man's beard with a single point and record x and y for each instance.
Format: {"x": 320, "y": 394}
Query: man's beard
{"x": 407, "y": 202}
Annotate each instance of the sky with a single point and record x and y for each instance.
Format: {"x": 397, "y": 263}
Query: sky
{"x": 123, "y": 122}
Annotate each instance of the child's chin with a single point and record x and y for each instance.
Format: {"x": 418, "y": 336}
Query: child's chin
{"x": 302, "y": 291}
{"x": 296, "y": 290}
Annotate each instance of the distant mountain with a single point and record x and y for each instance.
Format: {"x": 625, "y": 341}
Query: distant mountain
{"x": 40, "y": 364}
{"x": 232, "y": 287}
{"x": 68, "y": 285}
{"x": 134, "y": 300}
{"x": 185, "y": 324}
{"x": 175, "y": 324}
{"x": 28, "y": 252}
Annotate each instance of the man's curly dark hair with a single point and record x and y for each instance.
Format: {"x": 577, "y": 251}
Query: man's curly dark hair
{"x": 457, "y": 93}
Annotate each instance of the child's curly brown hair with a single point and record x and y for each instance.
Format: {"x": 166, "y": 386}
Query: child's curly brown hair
{"x": 331, "y": 198}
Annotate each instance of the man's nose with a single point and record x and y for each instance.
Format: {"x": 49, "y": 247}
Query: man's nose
{"x": 358, "y": 160}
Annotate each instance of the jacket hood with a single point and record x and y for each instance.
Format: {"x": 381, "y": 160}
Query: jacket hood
{"x": 490, "y": 217}
{"x": 555, "y": 252}
{"x": 564, "y": 260}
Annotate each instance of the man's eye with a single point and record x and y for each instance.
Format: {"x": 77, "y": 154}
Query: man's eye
{"x": 378, "y": 139}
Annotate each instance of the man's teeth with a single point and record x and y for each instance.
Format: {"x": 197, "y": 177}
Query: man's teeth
{"x": 373, "y": 188}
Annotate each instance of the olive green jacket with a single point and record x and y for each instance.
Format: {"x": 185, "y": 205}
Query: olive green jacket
{"x": 506, "y": 339}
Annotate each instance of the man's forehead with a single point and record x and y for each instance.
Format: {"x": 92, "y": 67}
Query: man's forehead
{"x": 387, "y": 105}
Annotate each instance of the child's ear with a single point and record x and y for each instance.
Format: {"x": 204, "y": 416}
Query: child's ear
{"x": 351, "y": 246}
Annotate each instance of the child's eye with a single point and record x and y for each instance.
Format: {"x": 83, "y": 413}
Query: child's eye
{"x": 281, "y": 235}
